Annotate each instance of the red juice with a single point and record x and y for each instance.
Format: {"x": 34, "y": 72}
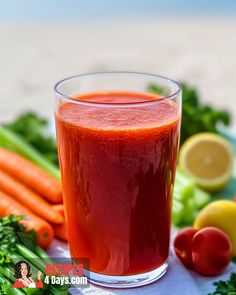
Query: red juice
{"x": 118, "y": 166}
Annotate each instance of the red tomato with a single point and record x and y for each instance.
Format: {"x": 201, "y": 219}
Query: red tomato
{"x": 211, "y": 251}
{"x": 183, "y": 245}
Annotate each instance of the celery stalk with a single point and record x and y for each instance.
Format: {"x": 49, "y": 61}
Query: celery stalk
{"x": 183, "y": 193}
{"x": 187, "y": 199}
{"x": 189, "y": 212}
{"x": 6, "y": 272}
{"x": 201, "y": 198}
{"x": 9, "y": 289}
{"x": 177, "y": 212}
{"x": 42, "y": 254}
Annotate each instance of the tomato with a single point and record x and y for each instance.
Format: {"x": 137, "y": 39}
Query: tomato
{"x": 211, "y": 251}
{"x": 183, "y": 245}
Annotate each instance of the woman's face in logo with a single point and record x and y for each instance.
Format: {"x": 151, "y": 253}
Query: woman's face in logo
{"x": 24, "y": 269}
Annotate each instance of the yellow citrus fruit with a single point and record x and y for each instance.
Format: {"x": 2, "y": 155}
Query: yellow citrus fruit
{"x": 208, "y": 158}
{"x": 220, "y": 214}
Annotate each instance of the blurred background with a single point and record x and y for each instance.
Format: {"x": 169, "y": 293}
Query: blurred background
{"x": 42, "y": 42}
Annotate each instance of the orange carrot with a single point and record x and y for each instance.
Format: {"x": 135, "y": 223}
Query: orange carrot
{"x": 43, "y": 229}
{"x": 60, "y": 229}
{"x": 31, "y": 175}
{"x": 59, "y": 208}
{"x": 28, "y": 198}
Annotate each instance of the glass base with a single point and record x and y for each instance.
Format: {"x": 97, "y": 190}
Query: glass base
{"x": 128, "y": 281}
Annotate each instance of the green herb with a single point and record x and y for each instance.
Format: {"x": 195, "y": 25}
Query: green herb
{"x": 225, "y": 287}
{"x": 196, "y": 117}
{"x": 13, "y": 232}
{"x": 34, "y": 129}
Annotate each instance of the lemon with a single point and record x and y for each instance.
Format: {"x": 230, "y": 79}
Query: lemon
{"x": 220, "y": 214}
{"x": 208, "y": 158}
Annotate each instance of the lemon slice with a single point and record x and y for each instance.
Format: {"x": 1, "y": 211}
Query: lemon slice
{"x": 208, "y": 158}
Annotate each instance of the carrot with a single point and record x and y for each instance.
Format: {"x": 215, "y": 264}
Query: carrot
{"x": 60, "y": 229}
{"x": 31, "y": 175}
{"x": 28, "y": 198}
{"x": 59, "y": 208}
{"x": 43, "y": 229}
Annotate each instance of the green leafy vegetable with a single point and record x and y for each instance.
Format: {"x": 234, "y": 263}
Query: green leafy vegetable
{"x": 225, "y": 287}
{"x": 34, "y": 129}
{"x": 196, "y": 117}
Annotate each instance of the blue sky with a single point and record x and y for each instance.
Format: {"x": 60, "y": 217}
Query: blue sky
{"x": 88, "y": 10}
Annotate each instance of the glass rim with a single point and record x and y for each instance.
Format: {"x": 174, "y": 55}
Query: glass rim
{"x": 158, "y": 100}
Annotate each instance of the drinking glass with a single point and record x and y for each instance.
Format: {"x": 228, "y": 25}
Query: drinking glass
{"x": 118, "y": 145}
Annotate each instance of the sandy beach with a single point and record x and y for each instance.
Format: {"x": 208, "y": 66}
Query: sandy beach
{"x": 35, "y": 56}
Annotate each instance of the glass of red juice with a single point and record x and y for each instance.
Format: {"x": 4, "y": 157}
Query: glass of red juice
{"x": 118, "y": 146}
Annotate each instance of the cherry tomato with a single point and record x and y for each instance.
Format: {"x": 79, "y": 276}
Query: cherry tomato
{"x": 211, "y": 251}
{"x": 183, "y": 245}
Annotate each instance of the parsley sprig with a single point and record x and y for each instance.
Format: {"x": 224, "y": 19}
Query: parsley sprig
{"x": 225, "y": 287}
